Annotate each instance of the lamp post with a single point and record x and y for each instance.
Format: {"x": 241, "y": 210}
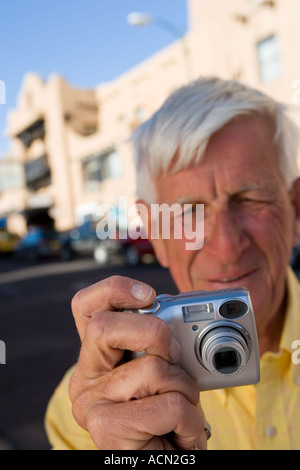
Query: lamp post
{"x": 139, "y": 19}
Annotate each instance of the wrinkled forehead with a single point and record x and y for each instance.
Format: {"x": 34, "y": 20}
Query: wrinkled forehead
{"x": 242, "y": 154}
{"x": 255, "y": 130}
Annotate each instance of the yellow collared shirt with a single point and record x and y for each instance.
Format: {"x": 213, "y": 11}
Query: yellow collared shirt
{"x": 259, "y": 417}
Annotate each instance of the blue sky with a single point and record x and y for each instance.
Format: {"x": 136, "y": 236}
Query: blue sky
{"x": 85, "y": 41}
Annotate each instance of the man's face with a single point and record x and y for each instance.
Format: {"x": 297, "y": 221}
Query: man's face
{"x": 250, "y": 222}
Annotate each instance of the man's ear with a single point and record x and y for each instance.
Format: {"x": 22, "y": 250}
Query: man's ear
{"x": 295, "y": 200}
{"x": 153, "y": 232}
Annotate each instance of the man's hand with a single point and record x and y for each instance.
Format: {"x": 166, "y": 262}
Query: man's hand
{"x": 147, "y": 403}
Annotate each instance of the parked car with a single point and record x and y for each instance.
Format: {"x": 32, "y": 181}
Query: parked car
{"x": 39, "y": 243}
{"x": 8, "y": 242}
{"x": 83, "y": 241}
{"x": 136, "y": 251}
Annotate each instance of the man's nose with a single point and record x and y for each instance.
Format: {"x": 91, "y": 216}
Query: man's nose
{"x": 225, "y": 236}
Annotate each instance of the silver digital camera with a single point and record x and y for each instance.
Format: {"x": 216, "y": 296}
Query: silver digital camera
{"x": 217, "y": 334}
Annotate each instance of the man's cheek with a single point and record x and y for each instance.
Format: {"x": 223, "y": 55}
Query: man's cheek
{"x": 180, "y": 263}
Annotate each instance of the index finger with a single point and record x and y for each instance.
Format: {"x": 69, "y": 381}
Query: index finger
{"x": 113, "y": 293}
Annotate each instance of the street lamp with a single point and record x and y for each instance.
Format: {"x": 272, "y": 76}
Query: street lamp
{"x": 139, "y": 19}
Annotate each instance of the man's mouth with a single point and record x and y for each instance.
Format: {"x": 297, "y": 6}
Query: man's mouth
{"x": 232, "y": 279}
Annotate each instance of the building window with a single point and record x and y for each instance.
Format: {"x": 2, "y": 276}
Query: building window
{"x": 97, "y": 168}
{"x": 33, "y": 132}
{"x": 112, "y": 165}
{"x": 269, "y": 59}
{"x": 37, "y": 173}
{"x": 92, "y": 175}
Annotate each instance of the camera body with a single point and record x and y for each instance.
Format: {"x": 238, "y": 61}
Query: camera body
{"x": 217, "y": 334}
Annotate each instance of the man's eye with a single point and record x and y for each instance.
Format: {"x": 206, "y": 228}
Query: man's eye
{"x": 248, "y": 200}
{"x": 189, "y": 209}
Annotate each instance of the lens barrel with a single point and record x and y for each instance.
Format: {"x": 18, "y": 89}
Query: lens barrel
{"x": 223, "y": 351}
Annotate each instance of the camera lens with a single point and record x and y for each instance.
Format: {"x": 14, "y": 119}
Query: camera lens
{"x": 227, "y": 361}
{"x": 223, "y": 351}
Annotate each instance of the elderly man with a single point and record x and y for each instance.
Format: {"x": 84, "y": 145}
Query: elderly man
{"x": 234, "y": 150}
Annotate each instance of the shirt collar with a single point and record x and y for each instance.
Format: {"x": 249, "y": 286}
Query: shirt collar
{"x": 291, "y": 328}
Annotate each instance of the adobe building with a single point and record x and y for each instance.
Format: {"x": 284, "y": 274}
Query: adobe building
{"x": 37, "y": 128}
{"x": 72, "y": 143}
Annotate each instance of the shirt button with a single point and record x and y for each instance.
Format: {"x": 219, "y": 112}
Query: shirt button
{"x": 271, "y": 431}
{"x": 298, "y": 381}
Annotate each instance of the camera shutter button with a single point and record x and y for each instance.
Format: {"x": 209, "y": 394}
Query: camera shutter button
{"x": 151, "y": 310}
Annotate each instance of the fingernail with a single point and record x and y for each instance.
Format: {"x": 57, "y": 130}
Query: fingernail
{"x": 141, "y": 291}
{"x": 175, "y": 351}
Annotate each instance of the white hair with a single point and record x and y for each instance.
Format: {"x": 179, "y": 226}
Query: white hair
{"x": 176, "y": 136}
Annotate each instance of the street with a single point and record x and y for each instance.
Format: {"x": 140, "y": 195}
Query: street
{"x": 37, "y": 328}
